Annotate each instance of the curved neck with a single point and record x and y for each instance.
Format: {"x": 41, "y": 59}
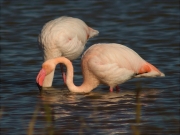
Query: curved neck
{"x": 85, "y": 87}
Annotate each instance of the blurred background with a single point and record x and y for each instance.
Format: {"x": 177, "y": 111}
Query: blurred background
{"x": 143, "y": 106}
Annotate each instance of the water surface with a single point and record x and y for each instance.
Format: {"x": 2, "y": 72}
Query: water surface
{"x": 143, "y": 106}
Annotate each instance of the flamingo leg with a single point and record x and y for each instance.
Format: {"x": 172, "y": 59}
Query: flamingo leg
{"x": 117, "y": 88}
{"x": 111, "y": 89}
{"x": 63, "y": 73}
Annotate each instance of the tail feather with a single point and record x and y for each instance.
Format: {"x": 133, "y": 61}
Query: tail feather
{"x": 148, "y": 70}
{"x": 93, "y": 32}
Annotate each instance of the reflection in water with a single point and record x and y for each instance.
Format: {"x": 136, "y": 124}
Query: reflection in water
{"x": 52, "y": 95}
{"x": 84, "y": 111}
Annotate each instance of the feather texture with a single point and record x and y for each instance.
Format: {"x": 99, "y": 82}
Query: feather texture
{"x": 109, "y": 64}
{"x": 63, "y": 37}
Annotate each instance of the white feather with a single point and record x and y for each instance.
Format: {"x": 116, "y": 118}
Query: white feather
{"x": 110, "y": 74}
{"x": 64, "y": 36}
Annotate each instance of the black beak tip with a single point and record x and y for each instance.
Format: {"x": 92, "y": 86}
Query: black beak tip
{"x": 40, "y": 87}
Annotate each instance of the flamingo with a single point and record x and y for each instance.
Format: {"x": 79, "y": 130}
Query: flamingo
{"x": 110, "y": 64}
{"x": 66, "y": 37}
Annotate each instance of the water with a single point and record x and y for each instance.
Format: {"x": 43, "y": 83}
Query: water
{"x": 143, "y": 106}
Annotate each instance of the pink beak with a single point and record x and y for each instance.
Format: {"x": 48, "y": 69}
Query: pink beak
{"x": 40, "y": 78}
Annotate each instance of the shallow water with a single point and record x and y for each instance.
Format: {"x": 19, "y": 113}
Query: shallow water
{"x": 143, "y": 106}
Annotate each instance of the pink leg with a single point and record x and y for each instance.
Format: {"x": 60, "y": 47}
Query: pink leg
{"x": 63, "y": 73}
{"x": 110, "y": 89}
{"x": 117, "y": 88}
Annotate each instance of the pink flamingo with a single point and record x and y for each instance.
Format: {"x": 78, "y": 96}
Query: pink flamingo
{"x": 109, "y": 64}
{"x": 66, "y": 37}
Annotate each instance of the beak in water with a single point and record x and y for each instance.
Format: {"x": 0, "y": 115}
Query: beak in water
{"x": 40, "y": 78}
{"x": 40, "y": 87}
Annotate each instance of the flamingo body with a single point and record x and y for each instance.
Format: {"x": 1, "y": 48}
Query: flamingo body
{"x": 113, "y": 64}
{"x": 63, "y": 37}
{"x": 109, "y": 64}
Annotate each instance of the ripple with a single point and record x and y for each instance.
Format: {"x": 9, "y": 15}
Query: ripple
{"x": 148, "y": 27}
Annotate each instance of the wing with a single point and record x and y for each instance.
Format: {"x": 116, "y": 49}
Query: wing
{"x": 110, "y": 74}
{"x": 72, "y": 49}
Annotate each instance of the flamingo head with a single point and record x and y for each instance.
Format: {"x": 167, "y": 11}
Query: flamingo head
{"x": 47, "y": 67}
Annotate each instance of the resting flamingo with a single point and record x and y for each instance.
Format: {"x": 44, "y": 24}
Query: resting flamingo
{"x": 66, "y": 37}
{"x": 109, "y": 64}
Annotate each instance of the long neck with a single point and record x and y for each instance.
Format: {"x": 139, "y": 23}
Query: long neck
{"x": 85, "y": 87}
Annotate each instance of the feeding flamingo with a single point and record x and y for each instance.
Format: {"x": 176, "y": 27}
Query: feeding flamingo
{"x": 109, "y": 64}
{"x": 66, "y": 37}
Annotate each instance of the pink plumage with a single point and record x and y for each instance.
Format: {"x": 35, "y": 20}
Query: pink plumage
{"x": 109, "y": 64}
{"x": 65, "y": 37}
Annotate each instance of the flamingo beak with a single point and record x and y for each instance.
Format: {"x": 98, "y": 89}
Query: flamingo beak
{"x": 40, "y": 87}
{"x": 40, "y": 78}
